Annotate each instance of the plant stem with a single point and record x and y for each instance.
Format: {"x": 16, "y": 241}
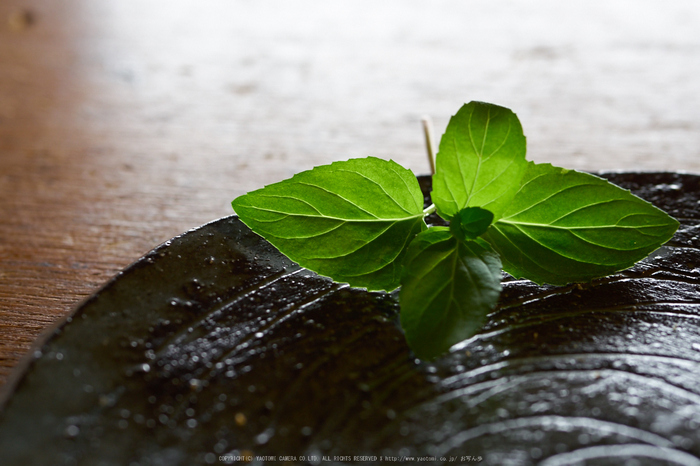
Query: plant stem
{"x": 429, "y": 210}
{"x": 428, "y": 131}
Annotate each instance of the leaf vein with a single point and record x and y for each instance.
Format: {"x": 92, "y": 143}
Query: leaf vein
{"x": 278, "y": 196}
{"x": 561, "y": 254}
{"x": 329, "y": 217}
{"x": 418, "y": 202}
{"x": 380, "y": 187}
{"x": 503, "y": 143}
{"x": 478, "y": 154}
{"x": 581, "y": 227}
{"x": 305, "y": 183}
{"x": 434, "y": 265}
{"x": 524, "y": 254}
{"x": 540, "y": 201}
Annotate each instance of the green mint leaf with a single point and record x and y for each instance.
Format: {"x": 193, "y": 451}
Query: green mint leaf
{"x": 351, "y": 221}
{"x": 448, "y": 287}
{"x": 480, "y": 161}
{"x": 470, "y": 223}
{"x": 565, "y": 226}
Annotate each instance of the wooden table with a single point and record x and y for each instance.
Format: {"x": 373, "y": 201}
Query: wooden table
{"x": 124, "y": 123}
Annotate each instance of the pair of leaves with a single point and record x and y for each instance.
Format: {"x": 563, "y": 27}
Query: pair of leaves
{"x": 361, "y": 222}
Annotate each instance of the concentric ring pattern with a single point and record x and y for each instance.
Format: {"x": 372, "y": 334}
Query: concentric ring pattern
{"x": 214, "y": 344}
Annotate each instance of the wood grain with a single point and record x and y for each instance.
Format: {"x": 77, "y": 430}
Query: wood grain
{"x": 124, "y": 123}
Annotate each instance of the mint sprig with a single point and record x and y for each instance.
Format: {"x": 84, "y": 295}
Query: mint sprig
{"x": 362, "y": 222}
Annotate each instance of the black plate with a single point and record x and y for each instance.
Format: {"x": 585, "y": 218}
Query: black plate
{"x": 214, "y": 344}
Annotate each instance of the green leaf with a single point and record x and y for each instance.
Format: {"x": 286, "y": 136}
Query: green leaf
{"x": 470, "y": 223}
{"x": 480, "y": 161}
{"x": 351, "y": 221}
{"x": 448, "y": 287}
{"x": 565, "y": 226}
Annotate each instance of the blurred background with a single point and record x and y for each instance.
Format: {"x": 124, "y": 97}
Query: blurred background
{"x": 125, "y": 122}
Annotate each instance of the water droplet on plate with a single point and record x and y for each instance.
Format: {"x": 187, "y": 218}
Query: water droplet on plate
{"x": 72, "y": 431}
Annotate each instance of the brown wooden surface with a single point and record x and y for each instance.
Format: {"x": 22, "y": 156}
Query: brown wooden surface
{"x": 124, "y": 123}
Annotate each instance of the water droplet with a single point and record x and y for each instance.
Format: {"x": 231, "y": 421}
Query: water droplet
{"x": 72, "y": 431}
{"x": 195, "y": 384}
{"x": 263, "y": 438}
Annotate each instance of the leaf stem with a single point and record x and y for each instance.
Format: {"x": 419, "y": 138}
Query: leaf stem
{"x": 429, "y": 210}
{"x": 428, "y": 132}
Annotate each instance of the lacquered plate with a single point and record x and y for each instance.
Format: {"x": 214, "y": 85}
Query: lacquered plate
{"x": 214, "y": 348}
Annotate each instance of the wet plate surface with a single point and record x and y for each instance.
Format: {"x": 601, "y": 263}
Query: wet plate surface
{"x": 214, "y": 344}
